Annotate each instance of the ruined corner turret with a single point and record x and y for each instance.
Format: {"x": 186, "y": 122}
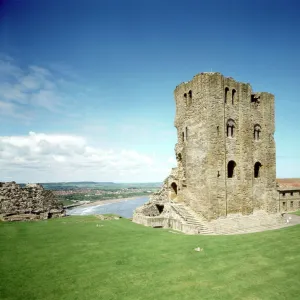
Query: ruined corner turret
{"x": 158, "y": 208}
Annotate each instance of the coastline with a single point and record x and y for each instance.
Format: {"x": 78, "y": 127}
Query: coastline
{"x": 102, "y": 202}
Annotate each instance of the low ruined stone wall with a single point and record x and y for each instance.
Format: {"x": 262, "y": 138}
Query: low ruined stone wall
{"x": 185, "y": 228}
{"x": 28, "y": 203}
{"x": 165, "y": 222}
{"x": 149, "y": 221}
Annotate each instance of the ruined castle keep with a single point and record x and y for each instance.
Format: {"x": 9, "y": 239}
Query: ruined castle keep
{"x": 225, "y": 156}
{"x": 29, "y": 203}
{"x": 226, "y": 149}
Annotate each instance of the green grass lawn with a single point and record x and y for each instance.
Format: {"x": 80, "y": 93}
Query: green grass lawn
{"x": 73, "y": 258}
{"x": 296, "y": 213}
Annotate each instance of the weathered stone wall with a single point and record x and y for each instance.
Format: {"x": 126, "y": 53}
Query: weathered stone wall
{"x": 204, "y": 107}
{"x": 30, "y": 202}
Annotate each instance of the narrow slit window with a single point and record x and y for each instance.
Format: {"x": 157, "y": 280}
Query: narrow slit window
{"x": 257, "y": 130}
{"x": 233, "y": 96}
{"x": 226, "y": 94}
{"x": 185, "y": 99}
{"x": 190, "y": 97}
{"x": 257, "y": 168}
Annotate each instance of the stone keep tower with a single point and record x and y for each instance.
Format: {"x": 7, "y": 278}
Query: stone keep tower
{"x": 226, "y": 149}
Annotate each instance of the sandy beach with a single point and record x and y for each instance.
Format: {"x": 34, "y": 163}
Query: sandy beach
{"x": 102, "y": 202}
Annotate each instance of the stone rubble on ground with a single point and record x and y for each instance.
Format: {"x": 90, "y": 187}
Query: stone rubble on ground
{"x": 198, "y": 249}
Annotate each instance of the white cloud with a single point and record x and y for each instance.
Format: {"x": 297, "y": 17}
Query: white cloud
{"x": 57, "y": 157}
{"x": 30, "y": 82}
{"x": 13, "y": 92}
{"x": 31, "y": 87}
{"x": 11, "y": 110}
{"x": 49, "y": 100}
{"x": 64, "y": 69}
{"x": 40, "y": 72}
{"x": 8, "y": 68}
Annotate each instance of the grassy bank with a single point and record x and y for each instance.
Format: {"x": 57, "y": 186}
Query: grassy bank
{"x": 85, "y": 258}
{"x": 296, "y": 213}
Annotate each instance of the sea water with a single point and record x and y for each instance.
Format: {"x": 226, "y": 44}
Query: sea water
{"x": 123, "y": 208}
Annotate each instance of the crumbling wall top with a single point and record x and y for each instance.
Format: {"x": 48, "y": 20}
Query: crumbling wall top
{"x": 184, "y": 84}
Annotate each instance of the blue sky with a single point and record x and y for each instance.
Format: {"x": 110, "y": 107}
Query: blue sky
{"x": 86, "y": 87}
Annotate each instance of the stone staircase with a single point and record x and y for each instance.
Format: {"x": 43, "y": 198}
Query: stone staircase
{"x": 236, "y": 223}
{"x": 241, "y": 224}
{"x": 190, "y": 218}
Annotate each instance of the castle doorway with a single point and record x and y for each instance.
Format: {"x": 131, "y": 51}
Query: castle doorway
{"x": 173, "y": 191}
{"x": 174, "y": 187}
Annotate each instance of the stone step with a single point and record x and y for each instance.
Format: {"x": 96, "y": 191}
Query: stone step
{"x": 246, "y": 225}
{"x": 234, "y": 230}
{"x": 191, "y": 219}
{"x": 232, "y": 224}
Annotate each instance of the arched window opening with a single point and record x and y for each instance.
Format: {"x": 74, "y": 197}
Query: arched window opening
{"x": 186, "y": 133}
{"x": 218, "y": 130}
{"x": 233, "y": 96}
{"x": 226, "y": 94}
{"x": 257, "y": 130}
{"x": 174, "y": 187}
{"x": 190, "y": 94}
{"x": 182, "y": 137}
{"x": 257, "y": 168}
{"x": 230, "y": 128}
{"x": 185, "y": 95}
{"x": 231, "y": 169}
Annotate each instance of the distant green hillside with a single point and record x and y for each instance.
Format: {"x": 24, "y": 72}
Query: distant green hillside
{"x": 96, "y": 185}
